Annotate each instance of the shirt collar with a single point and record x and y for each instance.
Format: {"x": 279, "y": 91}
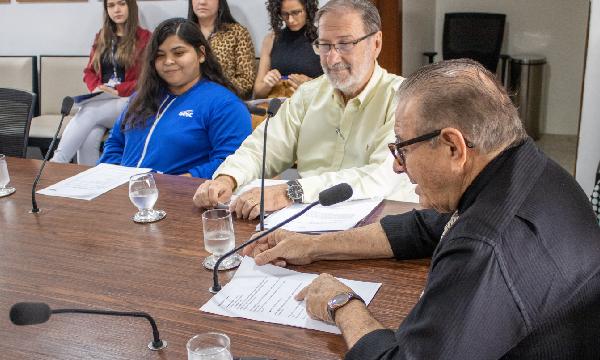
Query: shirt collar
{"x": 363, "y": 96}
{"x": 485, "y": 176}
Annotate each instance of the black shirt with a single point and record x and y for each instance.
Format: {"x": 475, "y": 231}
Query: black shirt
{"x": 516, "y": 277}
{"x": 107, "y": 61}
{"x": 292, "y": 53}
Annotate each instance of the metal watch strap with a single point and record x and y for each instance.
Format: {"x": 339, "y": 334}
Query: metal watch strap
{"x": 295, "y": 191}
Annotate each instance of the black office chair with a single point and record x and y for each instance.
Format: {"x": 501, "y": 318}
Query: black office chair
{"x": 476, "y": 36}
{"x": 16, "y": 110}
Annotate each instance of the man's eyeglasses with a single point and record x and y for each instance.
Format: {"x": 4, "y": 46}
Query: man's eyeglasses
{"x": 400, "y": 155}
{"x": 294, "y": 13}
{"x": 342, "y": 47}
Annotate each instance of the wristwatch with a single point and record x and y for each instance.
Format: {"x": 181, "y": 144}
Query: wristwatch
{"x": 294, "y": 191}
{"x": 340, "y": 300}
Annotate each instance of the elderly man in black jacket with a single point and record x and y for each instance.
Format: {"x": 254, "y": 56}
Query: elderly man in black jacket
{"x": 515, "y": 247}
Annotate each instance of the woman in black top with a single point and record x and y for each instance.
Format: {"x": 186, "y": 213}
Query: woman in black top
{"x": 287, "y": 58}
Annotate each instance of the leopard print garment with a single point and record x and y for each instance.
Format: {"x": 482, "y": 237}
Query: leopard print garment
{"x": 234, "y": 49}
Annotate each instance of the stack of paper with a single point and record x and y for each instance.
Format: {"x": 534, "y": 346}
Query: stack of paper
{"x": 266, "y": 293}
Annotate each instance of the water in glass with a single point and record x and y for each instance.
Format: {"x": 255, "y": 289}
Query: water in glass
{"x": 219, "y": 238}
{"x": 211, "y": 353}
{"x": 143, "y": 193}
{"x": 4, "y": 177}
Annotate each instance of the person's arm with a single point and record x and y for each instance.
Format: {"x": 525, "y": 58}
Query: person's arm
{"x": 127, "y": 87}
{"x": 90, "y": 77}
{"x": 262, "y": 87}
{"x": 284, "y": 247}
{"x": 468, "y": 311}
{"x": 115, "y": 144}
{"x": 227, "y": 129}
{"x": 245, "y": 165}
{"x": 243, "y": 79}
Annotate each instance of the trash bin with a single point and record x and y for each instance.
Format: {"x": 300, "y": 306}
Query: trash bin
{"x": 525, "y": 80}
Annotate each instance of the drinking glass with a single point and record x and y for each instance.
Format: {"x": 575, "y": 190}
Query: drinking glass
{"x": 219, "y": 238}
{"x": 5, "y": 190}
{"x": 143, "y": 194}
{"x": 209, "y": 346}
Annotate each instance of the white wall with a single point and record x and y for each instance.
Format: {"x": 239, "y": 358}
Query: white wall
{"x": 553, "y": 28}
{"x": 418, "y": 33}
{"x": 69, "y": 28}
{"x": 588, "y": 152}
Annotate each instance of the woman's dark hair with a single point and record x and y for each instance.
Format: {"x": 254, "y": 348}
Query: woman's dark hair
{"x": 223, "y": 15}
{"x": 310, "y": 8}
{"x": 151, "y": 87}
{"x": 126, "y": 51}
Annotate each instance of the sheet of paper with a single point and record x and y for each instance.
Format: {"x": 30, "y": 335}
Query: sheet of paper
{"x": 93, "y": 182}
{"x": 342, "y": 216}
{"x": 266, "y": 293}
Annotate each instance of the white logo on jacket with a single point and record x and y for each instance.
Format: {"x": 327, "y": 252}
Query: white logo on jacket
{"x": 187, "y": 113}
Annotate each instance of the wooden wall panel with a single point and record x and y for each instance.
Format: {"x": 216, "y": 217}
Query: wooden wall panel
{"x": 391, "y": 22}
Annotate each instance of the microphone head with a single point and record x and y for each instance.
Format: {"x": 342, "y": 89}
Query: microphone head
{"x": 67, "y": 104}
{"x": 255, "y": 110}
{"x": 29, "y": 313}
{"x": 273, "y": 107}
{"x": 335, "y": 194}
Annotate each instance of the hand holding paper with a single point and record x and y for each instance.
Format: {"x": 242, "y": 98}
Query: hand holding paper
{"x": 266, "y": 293}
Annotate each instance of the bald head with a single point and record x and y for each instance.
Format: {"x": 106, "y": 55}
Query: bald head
{"x": 462, "y": 94}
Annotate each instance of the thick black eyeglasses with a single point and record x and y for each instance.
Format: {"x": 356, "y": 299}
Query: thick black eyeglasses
{"x": 294, "y": 13}
{"x": 341, "y": 47}
{"x": 399, "y": 154}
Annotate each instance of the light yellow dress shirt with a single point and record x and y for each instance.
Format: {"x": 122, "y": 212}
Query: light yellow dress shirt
{"x": 331, "y": 142}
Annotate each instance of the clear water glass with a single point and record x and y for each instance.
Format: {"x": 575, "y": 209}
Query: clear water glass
{"x": 143, "y": 193}
{"x": 4, "y": 178}
{"x": 219, "y": 238}
{"x": 209, "y": 346}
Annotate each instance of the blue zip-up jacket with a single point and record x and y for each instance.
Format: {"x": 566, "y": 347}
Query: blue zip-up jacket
{"x": 196, "y": 132}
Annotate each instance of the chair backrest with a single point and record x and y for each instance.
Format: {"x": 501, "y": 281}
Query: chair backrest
{"x": 476, "y": 36}
{"x": 60, "y": 76}
{"x": 16, "y": 110}
{"x": 19, "y": 72}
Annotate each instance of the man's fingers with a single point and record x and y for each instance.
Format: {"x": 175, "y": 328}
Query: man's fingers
{"x": 267, "y": 256}
{"x": 302, "y": 294}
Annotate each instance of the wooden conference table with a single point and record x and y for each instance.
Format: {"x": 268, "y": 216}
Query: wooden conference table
{"x": 89, "y": 254}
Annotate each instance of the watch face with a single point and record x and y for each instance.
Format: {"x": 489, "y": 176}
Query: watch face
{"x": 339, "y": 300}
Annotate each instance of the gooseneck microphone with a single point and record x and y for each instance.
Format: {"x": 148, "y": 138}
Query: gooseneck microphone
{"x": 333, "y": 195}
{"x": 31, "y": 313}
{"x": 271, "y": 111}
{"x": 65, "y": 109}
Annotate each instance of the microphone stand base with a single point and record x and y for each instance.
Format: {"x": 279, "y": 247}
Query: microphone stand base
{"x": 156, "y": 348}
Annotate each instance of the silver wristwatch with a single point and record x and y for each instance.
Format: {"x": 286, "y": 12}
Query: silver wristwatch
{"x": 340, "y": 300}
{"x": 294, "y": 191}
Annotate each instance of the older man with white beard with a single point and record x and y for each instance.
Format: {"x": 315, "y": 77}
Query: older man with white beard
{"x": 336, "y": 127}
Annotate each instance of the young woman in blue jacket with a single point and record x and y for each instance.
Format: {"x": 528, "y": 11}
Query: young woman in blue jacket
{"x": 185, "y": 118}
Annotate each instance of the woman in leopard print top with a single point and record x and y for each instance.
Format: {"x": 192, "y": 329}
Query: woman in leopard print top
{"x": 230, "y": 41}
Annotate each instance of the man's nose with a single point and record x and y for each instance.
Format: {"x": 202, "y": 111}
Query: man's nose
{"x": 333, "y": 57}
{"x": 398, "y": 169}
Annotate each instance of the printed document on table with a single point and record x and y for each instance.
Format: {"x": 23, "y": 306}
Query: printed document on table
{"x": 266, "y": 293}
{"x": 93, "y": 182}
{"x": 338, "y": 217}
